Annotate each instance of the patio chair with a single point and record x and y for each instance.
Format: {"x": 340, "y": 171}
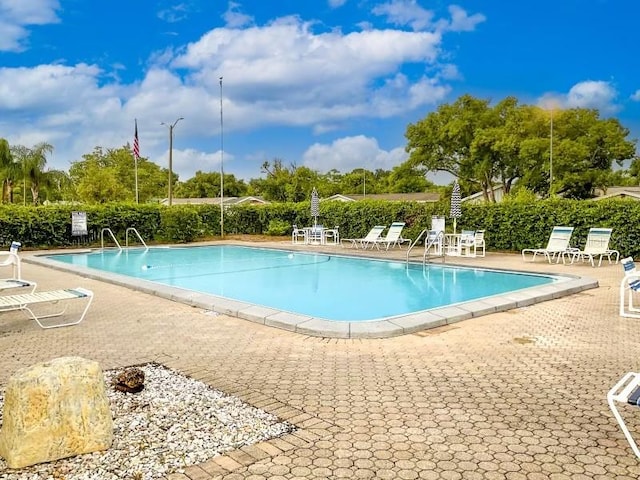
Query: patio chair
{"x": 298, "y": 235}
{"x": 597, "y": 245}
{"x": 369, "y": 239}
{"x": 472, "y": 241}
{"x": 393, "y": 237}
{"x": 26, "y": 301}
{"x": 629, "y": 284}
{"x": 332, "y": 236}
{"x": 626, "y": 391}
{"x": 434, "y": 243}
{"x": 557, "y": 245}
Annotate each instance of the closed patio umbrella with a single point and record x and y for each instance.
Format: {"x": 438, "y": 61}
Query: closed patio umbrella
{"x": 315, "y": 206}
{"x": 456, "y": 211}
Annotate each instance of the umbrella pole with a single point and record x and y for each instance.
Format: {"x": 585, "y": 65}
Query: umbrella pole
{"x": 454, "y": 225}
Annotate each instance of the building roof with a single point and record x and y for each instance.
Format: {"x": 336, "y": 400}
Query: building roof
{"x": 397, "y": 197}
{"x": 214, "y": 201}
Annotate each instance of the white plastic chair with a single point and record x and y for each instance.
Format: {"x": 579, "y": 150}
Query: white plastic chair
{"x": 627, "y": 390}
{"x": 597, "y": 245}
{"x": 471, "y": 243}
{"x": 369, "y": 239}
{"x": 557, "y": 245}
{"x": 629, "y": 284}
{"x": 393, "y": 237}
{"x": 298, "y": 235}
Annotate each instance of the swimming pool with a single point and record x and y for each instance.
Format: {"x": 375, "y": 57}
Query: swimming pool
{"x": 296, "y": 290}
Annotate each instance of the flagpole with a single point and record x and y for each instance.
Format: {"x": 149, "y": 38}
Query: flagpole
{"x": 221, "y": 169}
{"x": 136, "y": 153}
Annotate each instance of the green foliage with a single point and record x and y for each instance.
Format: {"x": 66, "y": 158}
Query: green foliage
{"x": 278, "y": 228}
{"x": 180, "y": 224}
{"x": 484, "y": 145}
{"x": 511, "y": 225}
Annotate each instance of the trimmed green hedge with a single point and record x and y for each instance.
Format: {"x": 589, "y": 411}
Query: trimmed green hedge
{"x": 510, "y": 226}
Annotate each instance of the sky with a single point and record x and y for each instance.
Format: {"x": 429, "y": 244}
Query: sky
{"x": 327, "y": 84}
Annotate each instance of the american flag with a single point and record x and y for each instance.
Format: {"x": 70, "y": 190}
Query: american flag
{"x": 136, "y": 145}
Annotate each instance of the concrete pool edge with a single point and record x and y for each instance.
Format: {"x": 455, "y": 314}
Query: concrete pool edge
{"x": 307, "y": 325}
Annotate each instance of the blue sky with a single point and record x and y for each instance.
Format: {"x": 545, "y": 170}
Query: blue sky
{"x": 321, "y": 83}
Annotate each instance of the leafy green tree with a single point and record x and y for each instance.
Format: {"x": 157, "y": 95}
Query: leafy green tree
{"x": 484, "y": 146}
{"x": 109, "y": 175}
{"x": 207, "y": 185}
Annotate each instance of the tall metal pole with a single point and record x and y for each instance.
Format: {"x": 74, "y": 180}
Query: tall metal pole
{"x": 551, "y": 156}
{"x": 171, "y": 127}
{"x": 221, "y": 168}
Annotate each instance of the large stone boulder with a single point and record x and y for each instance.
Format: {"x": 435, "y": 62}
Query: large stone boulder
{"x": 54, "y": 410}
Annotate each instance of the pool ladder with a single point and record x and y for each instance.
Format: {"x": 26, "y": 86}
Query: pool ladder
{"x": 436, "y": 242}
{"x": 126, "y": 236}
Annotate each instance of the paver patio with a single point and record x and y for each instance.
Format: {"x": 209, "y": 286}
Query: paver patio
{"x": 517, "y": 395}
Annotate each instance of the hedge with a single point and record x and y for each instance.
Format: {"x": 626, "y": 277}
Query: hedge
{"x": 510, "y": 226}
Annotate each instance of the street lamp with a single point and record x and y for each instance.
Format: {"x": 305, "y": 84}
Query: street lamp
{"x": 171, "y": 127}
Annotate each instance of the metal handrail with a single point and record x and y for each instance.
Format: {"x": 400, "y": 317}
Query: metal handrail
{"x": 438, "y": 238}
{"x": 108, "y": 230}
{"x": 126, "y": 237}
{"x": 415, "y": 242}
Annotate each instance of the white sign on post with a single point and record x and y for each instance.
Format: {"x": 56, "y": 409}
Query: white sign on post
{"x": 78, "y": 223}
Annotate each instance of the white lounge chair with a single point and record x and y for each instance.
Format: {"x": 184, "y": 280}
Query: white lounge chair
{"x": 557, "y": 246}
{"x": 26, "y": 301}
{"x": 629, "y": 285}
{"x": 597, "y": 245}
{"x": 369, "y": 239}
{"x": 627, "y": 390}
{"x": 11, "y": 259}
{"x": 393, "y": 237}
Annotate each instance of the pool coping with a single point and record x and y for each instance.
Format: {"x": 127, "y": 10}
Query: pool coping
{"x": 318, "y": 327}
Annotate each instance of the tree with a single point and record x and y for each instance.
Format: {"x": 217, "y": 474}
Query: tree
{"x": 8, "y": 170}
{"x": 487, "y": 146}
{"x": 106, "y": 176}
{"x": 207, "y": 185}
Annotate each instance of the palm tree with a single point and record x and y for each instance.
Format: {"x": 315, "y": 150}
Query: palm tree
{"x": 9, "y": 170}
{"x": 32, "y": 163}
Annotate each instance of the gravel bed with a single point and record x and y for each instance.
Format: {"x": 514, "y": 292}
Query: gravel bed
{"x": 173, "y": 423}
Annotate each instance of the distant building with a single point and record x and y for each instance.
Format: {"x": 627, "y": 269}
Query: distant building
{"x": 619, "y": 192}
{"x": 228, "y": 201}
{"x": 421, "y": 197}
{"x": 478, "y": 197}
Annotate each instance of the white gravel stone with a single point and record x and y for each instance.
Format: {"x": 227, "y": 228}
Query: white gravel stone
{"x": 173, "y": 423}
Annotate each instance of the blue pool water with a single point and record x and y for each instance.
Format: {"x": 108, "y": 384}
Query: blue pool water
{"x": 320, "y": 285}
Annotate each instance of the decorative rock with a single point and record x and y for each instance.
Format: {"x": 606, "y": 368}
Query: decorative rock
{"x": 54, "y": 410}
{"x": 130, "y": 380}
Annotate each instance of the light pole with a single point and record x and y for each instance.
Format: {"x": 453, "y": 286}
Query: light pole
{"x": 171, "y": 127}
{"x": 221, "y": 168}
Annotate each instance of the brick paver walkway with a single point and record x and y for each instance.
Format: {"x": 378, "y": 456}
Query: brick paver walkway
{"x": 518, "y": 395}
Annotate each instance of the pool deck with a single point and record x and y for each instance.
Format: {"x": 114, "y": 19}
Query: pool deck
{"x": 515, "y": 395}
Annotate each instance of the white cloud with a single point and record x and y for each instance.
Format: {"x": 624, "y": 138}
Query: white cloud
{"x": 279, "y": 74}
{"x": 234, "y": 18}
{"x": 636, "y": 96}
{"x": 405, "y": 12}
{"x": 336, "y": 3}
{"x": 16, "y": 15}
{"x": 175, "y": 13}
{"x": 346, "y": 154}
{"x": 593, "y": 94}
{"x": 409, "y": 13}
{"x": 599, "y": 95}
{"x": 463, "y": 22}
